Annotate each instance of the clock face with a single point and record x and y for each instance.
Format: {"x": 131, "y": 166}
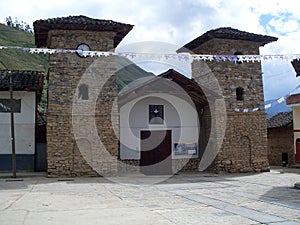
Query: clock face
{"x": 82, "y": 47}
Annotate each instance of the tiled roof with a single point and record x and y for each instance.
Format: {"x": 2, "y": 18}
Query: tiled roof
{"x": 79, "y": 20}
{"x": 296, "y": 65}
{"x": 22, "y": 80}
{"x": 171, "y": 82}
{"x": 282, "y": 119}
{"x": 229, "y": 33}
{"x": 293, "y": 99}
{"x": 41, "y": 27}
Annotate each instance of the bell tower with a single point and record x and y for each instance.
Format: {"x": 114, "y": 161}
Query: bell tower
{"x": 244, "y": 147}
{"x": 64, "y": 155}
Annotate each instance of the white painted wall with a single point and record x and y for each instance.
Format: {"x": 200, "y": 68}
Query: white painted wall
{"x": 24, "y": 124}
{"x": 180, "y": 117}
{"x": 296, "y": 124}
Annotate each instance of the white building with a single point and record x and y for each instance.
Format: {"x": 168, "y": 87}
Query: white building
{"x": 160, "y": 122}
{"x": 27, "y": 89}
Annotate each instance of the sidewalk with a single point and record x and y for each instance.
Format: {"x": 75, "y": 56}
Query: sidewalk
{"x": 189, "y": 198}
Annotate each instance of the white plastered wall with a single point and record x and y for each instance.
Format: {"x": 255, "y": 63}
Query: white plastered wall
{"x": 296, "y": 123}
{"x": 24, "y": 124}
{"x": 180, "y": 117}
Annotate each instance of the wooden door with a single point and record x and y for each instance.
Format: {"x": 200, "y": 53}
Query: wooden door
{"x": 297, "y": 157}
{"x": 156, "y": 152}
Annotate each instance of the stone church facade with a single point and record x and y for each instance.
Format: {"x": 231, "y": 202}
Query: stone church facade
{"x": 243, "y": 143}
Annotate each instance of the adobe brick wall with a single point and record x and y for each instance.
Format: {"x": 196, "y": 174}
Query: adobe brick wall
{"x": 244, "y": 147}
{"x": 65, "y": 71}
{"x": 280, "y": 140}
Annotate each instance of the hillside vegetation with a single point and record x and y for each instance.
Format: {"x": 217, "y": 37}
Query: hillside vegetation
{"x": 15, "y": 59}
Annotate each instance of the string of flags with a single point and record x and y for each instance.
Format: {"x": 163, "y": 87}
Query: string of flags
{"x": 269, "y": 105}
{"x": 176, "y": 56}
{"x": 180, "y": 56}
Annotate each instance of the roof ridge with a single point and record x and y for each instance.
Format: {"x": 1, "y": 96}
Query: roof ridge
{"x": 74, "y": 19}
{"x": 280, "y": 119}
{"x": 81, "y": 22}
{"x": 228, "y": 33}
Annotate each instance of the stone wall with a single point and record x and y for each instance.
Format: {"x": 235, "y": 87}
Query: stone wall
{"x": 280, "y": 140}
{"x": 91, "y": 147}
{"x": 71, "y": 150}
{"x": 244, "y": 147}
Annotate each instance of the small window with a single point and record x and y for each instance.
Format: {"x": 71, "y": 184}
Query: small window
{"x": 240, "y": 94}
{"x": 156, "y": 114}
{"x": 5, "y": 105}
{"x": 83, "y": 92}
{"x": 238, "y": 53}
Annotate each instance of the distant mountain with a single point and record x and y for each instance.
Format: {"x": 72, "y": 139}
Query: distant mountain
{"x": 282, "y": 107}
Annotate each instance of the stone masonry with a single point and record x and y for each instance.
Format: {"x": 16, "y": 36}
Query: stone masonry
{"x": 244, "y": 147}
{"x": 65, "y": 71}
{"x": 91, "y": 147}
{"x": 280, "y": 141}
{"x": 81, "y": 140}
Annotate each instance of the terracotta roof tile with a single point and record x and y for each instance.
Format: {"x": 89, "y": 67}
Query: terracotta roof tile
{"x": 228, "y": 33}
{"x": 22, "y": 80}
{"x": 282, "y": 119}
{"x": 41, "y": 27}
{"x": 293, "y": 99}
{"x": 78, "y": 20}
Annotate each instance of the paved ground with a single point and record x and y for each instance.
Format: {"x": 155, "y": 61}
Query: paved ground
{"x": 267, "y": 198}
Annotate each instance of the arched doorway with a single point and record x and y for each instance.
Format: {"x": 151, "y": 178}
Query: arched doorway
{"x": 297, "y": 157}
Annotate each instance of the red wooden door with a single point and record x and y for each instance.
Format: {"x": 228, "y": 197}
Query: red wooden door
{"x": 156, "y": 152}
{"x": 297, "y": 157}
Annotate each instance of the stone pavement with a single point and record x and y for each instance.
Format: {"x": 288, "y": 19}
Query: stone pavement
{"x": 265, "y": 198}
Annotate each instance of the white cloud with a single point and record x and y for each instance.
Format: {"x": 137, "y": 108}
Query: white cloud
{"x": 178, "y": 22}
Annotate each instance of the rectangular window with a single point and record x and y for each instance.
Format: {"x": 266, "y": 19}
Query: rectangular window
{"x": 156, "y": 114}
{"x": 239, "y": 94}
{"x": 5, "y": 105}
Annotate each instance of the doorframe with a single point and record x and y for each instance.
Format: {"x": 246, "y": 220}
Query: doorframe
{"x": 171, "y": 144}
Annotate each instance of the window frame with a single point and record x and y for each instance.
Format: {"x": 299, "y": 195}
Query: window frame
{"x": 154, "y": 119}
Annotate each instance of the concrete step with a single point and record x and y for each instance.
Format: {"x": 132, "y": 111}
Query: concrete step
{"x": 297, "y": 165}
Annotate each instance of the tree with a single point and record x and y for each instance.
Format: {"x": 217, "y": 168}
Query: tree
{"x": 18, "y": 25}
{"x": 27, "y": 28}
{"x": 9, "y": 21}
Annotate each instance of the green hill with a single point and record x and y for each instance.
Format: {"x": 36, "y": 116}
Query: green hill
{"x": 14, "y": 59}
{"x": 129, "y": 72}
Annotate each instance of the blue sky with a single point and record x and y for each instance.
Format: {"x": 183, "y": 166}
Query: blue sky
{"x": 177, "y": 22}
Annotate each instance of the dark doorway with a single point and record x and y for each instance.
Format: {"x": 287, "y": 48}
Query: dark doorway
{"x": 285, "y": 159}
{"x": 156, "y": 152}
{"x": 297, "y": 158}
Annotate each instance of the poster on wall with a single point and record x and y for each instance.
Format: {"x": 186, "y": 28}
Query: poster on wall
{"x": 185, "y": 148}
